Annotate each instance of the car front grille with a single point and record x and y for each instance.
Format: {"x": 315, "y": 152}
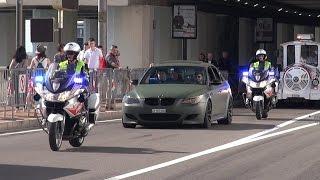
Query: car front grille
{"x": 159, "y": 101}
{"x": 160, "y": 117}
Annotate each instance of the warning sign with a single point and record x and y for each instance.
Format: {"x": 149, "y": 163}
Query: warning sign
{"x": 22, "y": 83}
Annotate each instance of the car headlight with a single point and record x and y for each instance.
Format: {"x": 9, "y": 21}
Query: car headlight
{"x": 130, "y": 100}
{"x": 192, "y": 100}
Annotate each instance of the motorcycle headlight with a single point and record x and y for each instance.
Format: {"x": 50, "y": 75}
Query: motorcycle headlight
{"x": 192, "y": 100}
{"x": 130, "y": 100}
{"x": 263, "y": 84}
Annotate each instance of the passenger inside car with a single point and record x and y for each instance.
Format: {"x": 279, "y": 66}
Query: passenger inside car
{"x": 199, "y": 78}
{"x": 162, "y": 76}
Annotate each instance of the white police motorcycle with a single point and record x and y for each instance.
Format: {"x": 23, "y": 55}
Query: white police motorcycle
{"x": 64, "y": 106}
{"x": 260, "y": 95}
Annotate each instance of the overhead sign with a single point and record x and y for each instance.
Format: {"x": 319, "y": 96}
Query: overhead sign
{"x": 264, "y": 30}
{"x": 184, "y": 21}
{"x": 41, "y": 30}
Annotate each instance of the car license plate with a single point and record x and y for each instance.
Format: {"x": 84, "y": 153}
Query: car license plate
{"x": 295, "y": 95}
{"x": 159, "y": 110}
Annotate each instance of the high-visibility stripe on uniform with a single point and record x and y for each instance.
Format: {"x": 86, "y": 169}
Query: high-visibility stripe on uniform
{"x": 64, "y": 65}
{"x": 267, "y": 65}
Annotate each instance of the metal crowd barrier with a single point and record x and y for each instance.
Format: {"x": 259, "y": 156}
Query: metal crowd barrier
{"x": 16, "y": 88}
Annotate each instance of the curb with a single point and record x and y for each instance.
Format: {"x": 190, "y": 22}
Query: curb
{"x": 32, "y": 123}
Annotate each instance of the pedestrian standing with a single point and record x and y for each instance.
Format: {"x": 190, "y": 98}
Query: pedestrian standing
{"x": 92, "y": 55}
{"x": 113, "y": 63}
{"x": 39, "y": 64}
{"x": 102, "y": 60}
{"x": 202, "y": 56}
{"x": 213, "y": 61}
{"x": 17, "y": 67}
{"x": 113, "y": 57}
{"x": 40, "y": 61}
{"x": 60, "y": 56}
{"x": 82, "y": 52}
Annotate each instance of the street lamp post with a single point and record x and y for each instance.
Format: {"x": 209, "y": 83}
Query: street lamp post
{"x": 19, "y": 20}
{"x": 102, "y": 23}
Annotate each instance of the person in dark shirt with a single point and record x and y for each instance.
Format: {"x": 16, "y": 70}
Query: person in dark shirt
{"x": 112, "y": 57}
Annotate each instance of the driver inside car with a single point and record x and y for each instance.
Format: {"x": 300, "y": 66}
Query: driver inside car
{"x": 199, "y": 78}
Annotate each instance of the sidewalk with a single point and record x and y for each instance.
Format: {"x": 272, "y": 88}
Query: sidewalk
{"x": 21, "y": 120}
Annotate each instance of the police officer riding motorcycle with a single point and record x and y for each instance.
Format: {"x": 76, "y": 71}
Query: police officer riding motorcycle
{"x": 66, "y": 107}
{"x": 260, "y": 95}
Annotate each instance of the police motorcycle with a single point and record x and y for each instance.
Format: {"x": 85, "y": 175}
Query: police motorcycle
{"x": 64, "y": 106}
{"x": 260, "y": 94}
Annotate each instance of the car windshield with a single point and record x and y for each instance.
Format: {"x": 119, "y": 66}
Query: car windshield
{"x": 175, "y": 75}
{"x": 259, "y": 75}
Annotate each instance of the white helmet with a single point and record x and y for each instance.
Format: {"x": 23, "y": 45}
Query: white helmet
{"x": 261, "y": 52}
{"x": 72, "y": 46}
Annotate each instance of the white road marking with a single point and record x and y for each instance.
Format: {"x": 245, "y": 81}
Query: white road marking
{"x": 281, "y": 125}
{"x": 21, "y": 132}
{"x": 112, "y": 120}
{"x": 252, "y": 138}
{"x": 37, "y": 130}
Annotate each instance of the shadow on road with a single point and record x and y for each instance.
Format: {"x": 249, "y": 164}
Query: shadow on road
{"x": 242, "y": 126}
{"x": 233, "y": 126}
{"x": 18, "y": 172}
{"x": 117, "y": 150}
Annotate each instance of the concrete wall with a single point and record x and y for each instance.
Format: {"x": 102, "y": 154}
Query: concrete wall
{"x": 90, "y": 29}
{"x": 8, "y": 38}
{"x": 165, "y": 48}
{"x": 131, "y": 29}
{"x": 247, "y": 46}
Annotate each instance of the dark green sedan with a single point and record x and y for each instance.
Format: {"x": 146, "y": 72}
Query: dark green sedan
{"x": 178, "y": 92}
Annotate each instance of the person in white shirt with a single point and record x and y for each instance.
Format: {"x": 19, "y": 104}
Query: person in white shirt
{"x": 92, "y": 55}
{"x": 85, "y": 48}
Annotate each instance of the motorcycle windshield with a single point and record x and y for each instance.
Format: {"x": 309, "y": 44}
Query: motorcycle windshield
{"x": 259, "y": 75}
{"x": 57, "y": 80}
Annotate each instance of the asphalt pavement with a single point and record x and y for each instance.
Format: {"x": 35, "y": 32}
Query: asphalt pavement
{"x": 284, "y": 146}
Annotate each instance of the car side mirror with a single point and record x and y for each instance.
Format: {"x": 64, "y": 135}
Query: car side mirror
{"x": 215, "y": 82}
{"x": 135, "y": 82}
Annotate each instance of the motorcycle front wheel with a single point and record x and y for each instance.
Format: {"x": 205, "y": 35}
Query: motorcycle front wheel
{"x": 259, "y": 110}
{"x": 76, "y": 142}
{"x": 55, "y": 135}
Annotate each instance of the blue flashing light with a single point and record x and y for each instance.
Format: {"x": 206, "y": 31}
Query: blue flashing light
{"x": 245, "y": 73}
{"x": 78, "y": 80}
{"x": 271, "y": 73}
{"x": 39, "y": 79}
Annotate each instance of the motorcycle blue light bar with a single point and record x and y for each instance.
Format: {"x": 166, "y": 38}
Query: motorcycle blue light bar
{"x": 39, "y": 79}
{"x": 78, "y": 80}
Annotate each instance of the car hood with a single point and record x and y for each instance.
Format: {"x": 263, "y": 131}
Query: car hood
{"x": 168, "y": 90}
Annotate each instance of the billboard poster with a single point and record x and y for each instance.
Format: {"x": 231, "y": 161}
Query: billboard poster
{"x": 184, "y": 21}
